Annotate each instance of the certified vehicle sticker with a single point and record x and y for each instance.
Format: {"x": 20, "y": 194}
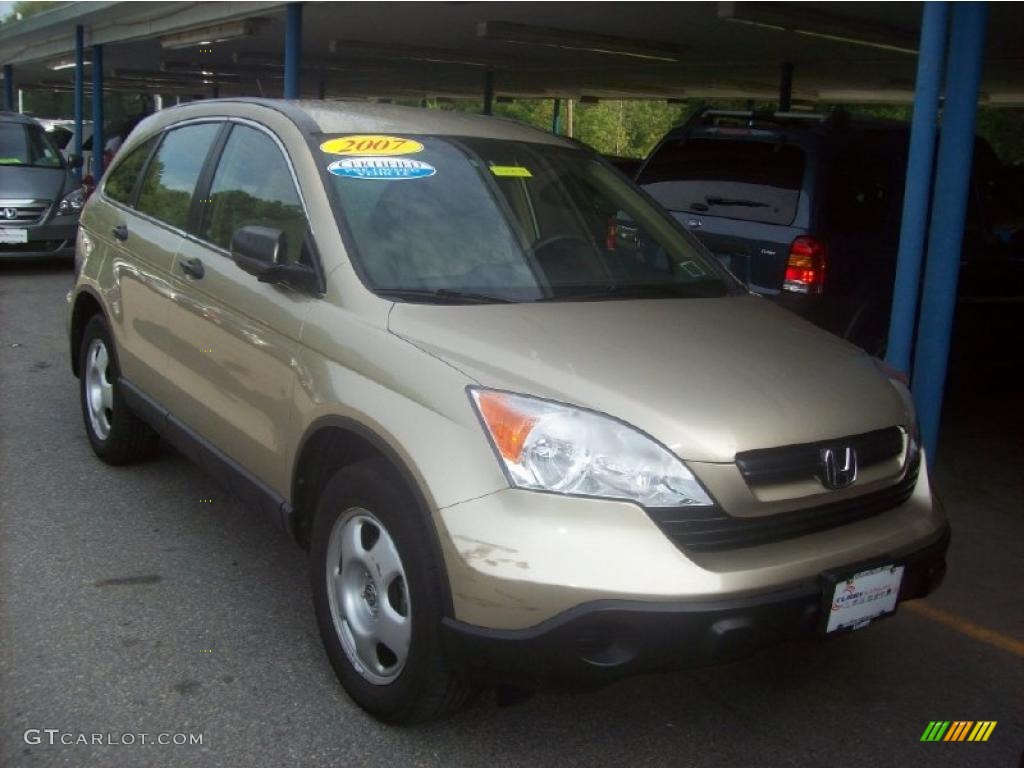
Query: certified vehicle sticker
{"x": 514, "y": 171}
{"x": 371, "y": 144}
{"x": 381, "y": 168}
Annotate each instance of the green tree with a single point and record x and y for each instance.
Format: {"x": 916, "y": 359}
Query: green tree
{"x": 25, "y": 8}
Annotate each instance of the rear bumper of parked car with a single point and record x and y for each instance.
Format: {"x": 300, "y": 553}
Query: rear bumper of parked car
{"x": 596, "y": 642}
{"x": 51, "y": 240}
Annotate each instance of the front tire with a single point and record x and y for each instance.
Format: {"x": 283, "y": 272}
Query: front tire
{"x": 116, "y": 434}
{"x": 378, "y": 597}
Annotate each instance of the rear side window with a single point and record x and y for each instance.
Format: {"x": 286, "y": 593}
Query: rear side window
{"x": 253, "y": 186}
{"x": 748, "y": 180}
{"x": 173, "y": 172}
{"x": 865, "y": 193}
{"x": 121, "y": 181}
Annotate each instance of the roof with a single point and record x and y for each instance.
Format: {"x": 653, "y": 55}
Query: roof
{"x": 842, "y": 52}
{"x": 364, "y": 117}
{"x": 14, "y": 117}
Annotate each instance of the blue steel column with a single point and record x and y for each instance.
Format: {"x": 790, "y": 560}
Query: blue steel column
{"x": 97, "y": 113}
{"x": 556, "y": 117}
{"x": 949, "y": 209}
{"x": 293, "y": 51}
{"x": 8, "y": 87}
{"x": 930, "y": 58}
{"x": 79, "y": 94}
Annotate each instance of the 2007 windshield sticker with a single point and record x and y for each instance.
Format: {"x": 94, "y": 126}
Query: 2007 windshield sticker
{"x": 386, "y": 168}
{"x": 367, "y": 145}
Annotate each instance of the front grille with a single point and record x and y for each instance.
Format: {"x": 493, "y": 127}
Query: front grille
{"x": 33, "y": 246}
{"x": 800, "y": 462}
{"x": 711, "y": 529}
{"x": 20, "y": 212}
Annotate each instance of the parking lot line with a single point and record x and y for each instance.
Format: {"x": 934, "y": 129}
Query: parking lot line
{"x": 969, "y": 628}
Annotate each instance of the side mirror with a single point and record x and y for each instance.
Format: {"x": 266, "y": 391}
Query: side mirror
{"x": 260, "y": 251}
{"x": 74, "y": 161}
{"x": 257, "y": 249}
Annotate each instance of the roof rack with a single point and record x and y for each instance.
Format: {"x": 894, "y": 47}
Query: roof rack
{"x": 753, "y": 119}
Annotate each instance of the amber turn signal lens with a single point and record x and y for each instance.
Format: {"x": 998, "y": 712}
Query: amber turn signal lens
{"x": 509, "y": 426}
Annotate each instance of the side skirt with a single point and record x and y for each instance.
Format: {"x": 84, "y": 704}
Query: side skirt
{"x": 249, "y": 489}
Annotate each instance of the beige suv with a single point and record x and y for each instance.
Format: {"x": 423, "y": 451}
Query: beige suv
{"x": 529, "y": 430}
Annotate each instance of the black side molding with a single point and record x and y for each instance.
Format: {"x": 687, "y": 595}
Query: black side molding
{"x": 248, "y": 488}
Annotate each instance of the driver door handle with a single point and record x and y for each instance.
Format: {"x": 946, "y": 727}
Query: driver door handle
{"x": 193, "y": 267}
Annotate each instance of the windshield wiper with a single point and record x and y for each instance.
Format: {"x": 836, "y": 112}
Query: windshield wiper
{"x": 442, "y": 296}
{"x": 735, "y": 201}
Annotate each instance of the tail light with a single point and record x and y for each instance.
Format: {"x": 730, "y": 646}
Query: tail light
{"x": 805, "y": 269}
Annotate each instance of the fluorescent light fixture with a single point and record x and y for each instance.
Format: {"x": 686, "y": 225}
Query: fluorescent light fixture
{"x": 218, "y": 33}
{"x": 811, "y": 22}
{"x": 527, "y": 34}
{"x": 56, "y": 66}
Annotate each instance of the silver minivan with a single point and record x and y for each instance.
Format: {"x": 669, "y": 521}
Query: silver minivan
{"x": 40, "y": 200}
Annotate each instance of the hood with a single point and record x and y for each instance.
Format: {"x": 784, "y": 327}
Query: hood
{"x": 707, "y": 377}
{"x": 21, "y": 182}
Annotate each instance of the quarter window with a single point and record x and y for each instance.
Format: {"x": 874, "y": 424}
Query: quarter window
{"x": 121, "y": 181}
{"x": 253, "y": 186}
{"x": 173, "y": 172}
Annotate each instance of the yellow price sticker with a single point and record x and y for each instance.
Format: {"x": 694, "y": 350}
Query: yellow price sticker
{"x": 515, "y": 171}
{"x": 371, "y": 145}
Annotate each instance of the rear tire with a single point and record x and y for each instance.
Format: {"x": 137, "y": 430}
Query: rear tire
{"x": 116, "y": 434}
{"x": 377, "y": 590}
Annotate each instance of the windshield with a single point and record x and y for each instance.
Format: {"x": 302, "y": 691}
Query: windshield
{"x": 481, "y": 220}
{"x": 22, "y": 144}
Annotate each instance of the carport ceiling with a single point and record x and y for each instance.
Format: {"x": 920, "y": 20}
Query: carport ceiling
{"x": 841, "y": 51}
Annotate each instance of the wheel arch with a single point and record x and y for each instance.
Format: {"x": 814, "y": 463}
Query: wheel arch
{"x": 86, "y": 305}
{"x": 332, "y": 443}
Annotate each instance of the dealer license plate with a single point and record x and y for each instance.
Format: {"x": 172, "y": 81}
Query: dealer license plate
{"x": 8, "y": 235}
{"x": 864, "y": 597}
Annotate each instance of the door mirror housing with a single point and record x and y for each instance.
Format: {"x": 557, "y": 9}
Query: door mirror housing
{"x": 74, "y": 161}
{"x": 260, "y": 251}
{"x": 257, "y": 249}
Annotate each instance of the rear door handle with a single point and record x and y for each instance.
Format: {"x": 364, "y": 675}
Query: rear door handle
{"x": 695, "y": 223}
{"x": 193, "y": 267}
{"x": 120, "y": 232}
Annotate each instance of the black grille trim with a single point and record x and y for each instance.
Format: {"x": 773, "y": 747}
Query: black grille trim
{"x": 712, "y": 529}
{"x": 767, "y": 466}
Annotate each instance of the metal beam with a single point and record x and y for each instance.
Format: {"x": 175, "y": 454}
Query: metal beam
{"x": 786, "y": 87}
{"x": 917, "y": 195}
{"x": 79, "y": 94}
{"x": 8, "y": 87}
{"x": 489, "y": 92}
{"x": 293, "y": 51}
{"x": 949, "y": 210}
{"x": 556, "y": 117}
{"x": 98, "y": 141}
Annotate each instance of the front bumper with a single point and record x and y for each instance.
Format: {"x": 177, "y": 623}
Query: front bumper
{"x": 50, "y": 240}
{"x": 600, "y": 641}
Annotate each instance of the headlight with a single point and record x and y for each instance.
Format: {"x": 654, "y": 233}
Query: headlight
{"x": 547, "y": 446}
{"x": 72, "y": 203}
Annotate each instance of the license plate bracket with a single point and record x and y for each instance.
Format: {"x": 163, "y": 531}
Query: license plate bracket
{"x": 856, "y": 597}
